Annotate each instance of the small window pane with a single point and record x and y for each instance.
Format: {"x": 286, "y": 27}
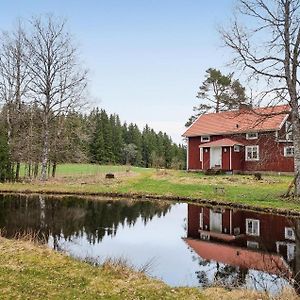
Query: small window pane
{"x": 252, "y": 153}
{"x": 252, "y": 227}
{"x": 236, "y": 148}
{"x": 289, "y": 151}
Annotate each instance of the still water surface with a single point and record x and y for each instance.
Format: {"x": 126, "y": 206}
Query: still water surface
{"x": 184, "y": 244}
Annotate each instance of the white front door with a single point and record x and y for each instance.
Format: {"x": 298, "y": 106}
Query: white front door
{"x": 216, "y": 157}
{"x": 215, "y": 221}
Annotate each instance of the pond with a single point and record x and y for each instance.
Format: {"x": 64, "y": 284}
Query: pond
{"x": 181, "y": 244}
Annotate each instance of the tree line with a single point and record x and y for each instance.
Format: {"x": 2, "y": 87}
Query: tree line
{"x": 94, "y": 137}
{"x": 113, "y": 142}
{"x": 43, "y": 93}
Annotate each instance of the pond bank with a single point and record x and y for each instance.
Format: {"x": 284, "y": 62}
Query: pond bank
{"x": 241, "y": 191}
{"x": 153, "y": 197}
{"x": 33, "y": 271}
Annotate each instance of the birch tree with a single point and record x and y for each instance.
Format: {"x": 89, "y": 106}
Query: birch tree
{"x": 267, "y": 49}
{"x": 14, "y": 81}
{"x": 58, "y": 83}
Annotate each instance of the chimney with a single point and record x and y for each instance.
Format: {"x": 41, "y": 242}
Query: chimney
{"x": 244, "y": 106}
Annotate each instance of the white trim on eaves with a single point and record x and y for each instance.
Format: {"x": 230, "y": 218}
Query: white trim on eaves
{"x": 283, "y": 121}
{"x": 192, "y": 125}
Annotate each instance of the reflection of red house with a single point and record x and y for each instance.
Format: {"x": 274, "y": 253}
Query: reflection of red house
{"x": 241, "y": 257}
{"x": 243, "y": 140}
{"x": 242, "y": 238}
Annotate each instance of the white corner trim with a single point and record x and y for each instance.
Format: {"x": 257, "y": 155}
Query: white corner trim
{"x": 187, "y": 154}
{"x": 230, "y": 159}
{"x": 283, "y": 121}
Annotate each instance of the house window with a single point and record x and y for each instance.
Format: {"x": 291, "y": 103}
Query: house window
{"x": 252, "y": 227}
{"x": 236, "y": 148}
{"x": 289, "y": 233}
{"x": 290, "y": 252}
{"x": 236, "y": 231}
{"x": 201, "y": 154}
{"x": 252, "y": 136}
{"x": 205, "y": 138}
{"x": 288, "y": 131}
{"x": 252, "y": 245}
{"x": 288, "y": 151}
{"x": 204, "y": 236}
{"x": 252, "y": 153}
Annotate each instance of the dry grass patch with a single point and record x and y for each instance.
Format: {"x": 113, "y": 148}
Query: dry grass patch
{"x": 87, "y": 179}
{"x": 229, "y": 180}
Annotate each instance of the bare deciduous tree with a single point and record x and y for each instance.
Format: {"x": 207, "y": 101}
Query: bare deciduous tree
{"x": 57, "y": 83}
{"x": 14, "y": 81}
{"x": 268, "y": 49}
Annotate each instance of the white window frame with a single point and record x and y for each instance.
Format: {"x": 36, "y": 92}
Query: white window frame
{"x": 248, "y": 232}
{"x": 236, "y": 148}
{"x": 246, "y": 153}
{"x": 205, "y": 138}
{"x": 253, "y": 137}
{"x": 288, "y": 132}
{"x": 201, "y": 154}
{"x": 286, "y": 235}
{"x": 285, "y": 151}
{"x": 252, "y": 245}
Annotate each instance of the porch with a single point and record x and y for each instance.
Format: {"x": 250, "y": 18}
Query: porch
{"x": 224, "y": 154}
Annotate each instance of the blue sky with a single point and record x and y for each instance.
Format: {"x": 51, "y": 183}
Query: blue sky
{"x": 146, "y": 58}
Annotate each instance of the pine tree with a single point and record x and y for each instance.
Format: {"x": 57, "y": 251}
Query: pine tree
{"x": 117, "y": 134}
{"x": 107, "y": 138}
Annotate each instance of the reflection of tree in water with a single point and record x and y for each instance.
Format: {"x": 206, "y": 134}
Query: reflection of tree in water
{"x": 224, "y": 275}
{"x": 201, "y": 274}
{"x": 73, "y": 217}
{"x": 230, "y": 276}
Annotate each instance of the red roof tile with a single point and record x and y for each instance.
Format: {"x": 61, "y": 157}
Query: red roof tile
{"x": 239, "y": 121}
{"x": 222, "y": 142}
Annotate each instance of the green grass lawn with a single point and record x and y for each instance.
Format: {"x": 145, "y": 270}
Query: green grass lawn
{"x": 94, "y": 169}
{"x": 88, "y": 178}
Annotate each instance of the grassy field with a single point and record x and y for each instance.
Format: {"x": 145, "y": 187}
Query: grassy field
{"x": 30, "y": 271}
{"x": 87, "y": 178}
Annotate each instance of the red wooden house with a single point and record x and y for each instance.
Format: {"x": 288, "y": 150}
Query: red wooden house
{"x": 246, "y": 239}
{"x": 243, "y": 140}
